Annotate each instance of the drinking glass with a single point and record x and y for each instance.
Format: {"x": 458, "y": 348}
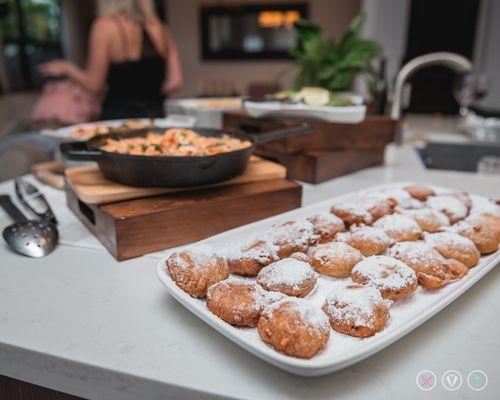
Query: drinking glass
{"x": 469, "y": 88}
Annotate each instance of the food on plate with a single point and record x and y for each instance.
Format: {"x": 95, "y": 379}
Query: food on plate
{"x": 402, "y": 198}
{"x": 175, "y": 142}
{"x": 393, "y": 278}
{"x": 326, "y": 226}
{"x": 487, "y": 220}
{"x": 356, "y": 310}
{"x": 432, "y": 269}
{"x": 100, "y": 128}
{"x": 454, "y": 208}
{"x": 399, "y": 228}
{"x": 196, "y": 269}
{"x": 352, "y": 213}
{"x": 290, "y": 237}
{"x": 289, "y": 276}
{"x": 483, "y": 236}
{"x": 419, "y": 192}
{"x": 367, "y": 239}
{"x": 294, "y": 327}
{"x": 335, "y": 259}
{"x": 236, "y": 302}
{"x": 485, "y": 212}
{"x": 428, "y": 219}
{"x": 455, "y": 246}
{"x": 380, "y": 246}
{"x": 379, "y": 206}
{"x": 314, "y": 96}
{"x": 252, "y": 258}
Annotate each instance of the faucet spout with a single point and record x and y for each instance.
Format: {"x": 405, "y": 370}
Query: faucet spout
{"x": 454, "y": 61}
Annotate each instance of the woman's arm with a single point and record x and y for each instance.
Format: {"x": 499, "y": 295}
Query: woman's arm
{"x": 94, "y": 76}
{"x": 174, "y": 69}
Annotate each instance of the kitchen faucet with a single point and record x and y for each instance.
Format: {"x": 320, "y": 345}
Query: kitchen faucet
{"x": 454, "y": 61}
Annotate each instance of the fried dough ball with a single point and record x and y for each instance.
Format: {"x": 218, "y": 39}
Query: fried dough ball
{"x": 326, "y": 226}
{"x": 335, "y": 259}
{"x": 379, "y": 206}
{"x": 301, "y": 257}
{"x": 294, "y": 327}
{"x": 196, "y": 269}
{"x": 367, "y": 239}
{"x": 251, "y": 259}
{"x": 402, "y": 198}
{"x": 432, "y": 269}
{"x": 399, "y": 228}
{"x": 393, "y": 278}
{"x": 356, "y": 310}
{"x": 419, "y": 192}
{"x": 483, "y": 236}
{"x": 428, "y": 219}
{"x": 452, "y": 245}
{"x": 453, "y": 207}
{"x": 289, "y": 276}
{"x": 352, "y": 213}
{"x": 236, "y": 302}
{"x": 291, "y": 237}
{"x": 487, "y": 220}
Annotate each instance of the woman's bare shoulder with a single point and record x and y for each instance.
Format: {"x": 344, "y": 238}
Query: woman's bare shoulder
{"x": 103, "y": 25}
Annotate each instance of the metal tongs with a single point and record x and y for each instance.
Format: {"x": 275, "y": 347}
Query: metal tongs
{"x": 31, "y": 198}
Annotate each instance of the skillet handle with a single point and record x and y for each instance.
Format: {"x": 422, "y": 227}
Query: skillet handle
{"x": 283, "y": 133}
{"x": 78, "y": 151}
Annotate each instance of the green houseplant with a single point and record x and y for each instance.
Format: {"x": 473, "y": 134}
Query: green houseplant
{"x": 325, "y": 63}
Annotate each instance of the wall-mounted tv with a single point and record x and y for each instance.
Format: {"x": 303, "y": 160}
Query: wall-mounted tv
{"x": 249, "y": 32}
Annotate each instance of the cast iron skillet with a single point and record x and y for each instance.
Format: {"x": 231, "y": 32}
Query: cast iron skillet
{"x": 171, "y": 171}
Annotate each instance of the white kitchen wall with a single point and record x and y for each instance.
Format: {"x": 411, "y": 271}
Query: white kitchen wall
{"x": 387, "y": 23}
{"x": 333, "y": 15}
{"x": 488, "y": 54}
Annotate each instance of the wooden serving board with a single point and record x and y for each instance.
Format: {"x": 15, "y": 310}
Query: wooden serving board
{"x": 375, "y": 132}
{"x": 316, "y": 166}
{"x": 139, "y": 226}
{"x": 91, "y": 187}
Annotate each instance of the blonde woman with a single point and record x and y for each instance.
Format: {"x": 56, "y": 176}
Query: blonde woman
{"x": 132, "y": 59}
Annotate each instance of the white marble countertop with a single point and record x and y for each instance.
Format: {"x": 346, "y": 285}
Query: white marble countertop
{"x": 80, "y": 322}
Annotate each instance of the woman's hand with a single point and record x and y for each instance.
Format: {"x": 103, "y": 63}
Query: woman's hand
{"x": 56, "y": 68}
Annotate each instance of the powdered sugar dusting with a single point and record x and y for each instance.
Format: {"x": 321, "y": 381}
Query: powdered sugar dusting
{"x": 295, "y": 233}
{"x": 395, "y": 225}
{"x": 481, "y": 205}
{"x": 354, "y": 303}
{"x": 449, "y": 239}
{"x": 402, "y": 197}
{"x": 307, "y": 312}
{"x": 339, "y": 250}
{"x": 385, "y": 272}
{"x": 451, "y": 206}
{"x": 356, "y": 208}
{"x": 288, "y": 271}
{"x": 200, "y": 255}
{"x": 371, "y": 234}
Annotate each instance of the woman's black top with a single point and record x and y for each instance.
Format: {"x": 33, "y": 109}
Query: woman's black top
{"x": 134, "y": 87}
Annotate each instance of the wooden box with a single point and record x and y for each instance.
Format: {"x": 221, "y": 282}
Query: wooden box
{"x": 135, "y": 227}
{"x": 329, "y": 151}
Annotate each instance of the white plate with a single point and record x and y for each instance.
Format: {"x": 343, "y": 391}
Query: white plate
{"x": 341, "y": 350}
{"x": 347, "y": 115}
{"x": 65, "y": 133}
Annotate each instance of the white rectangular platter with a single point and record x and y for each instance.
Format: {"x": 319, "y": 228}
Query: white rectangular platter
{"x": 341, "y": 350}
{"x": 346, "y": 114}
